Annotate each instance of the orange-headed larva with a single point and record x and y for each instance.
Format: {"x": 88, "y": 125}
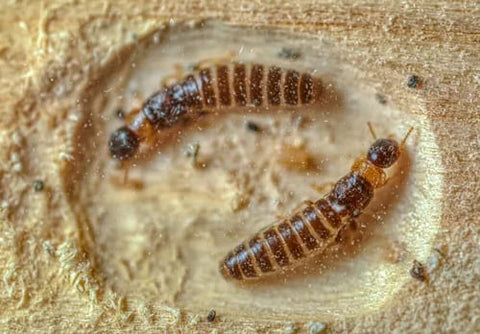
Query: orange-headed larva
{"x": 309, "y": 231}
{"x": 220, "y": 86}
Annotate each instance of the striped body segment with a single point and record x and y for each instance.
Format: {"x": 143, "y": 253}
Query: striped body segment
{"x": 308, "y": 232}
{"x": 218, "y": 87}
{"x": 233, "y": 85}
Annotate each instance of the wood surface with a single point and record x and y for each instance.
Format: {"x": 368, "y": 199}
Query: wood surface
{"x": 58, "y": 60}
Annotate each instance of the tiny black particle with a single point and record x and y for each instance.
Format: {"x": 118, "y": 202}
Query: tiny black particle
{"x": 418, "y": 271}
{"x": 120, "y": 114}
{"x": 38, "y": 185}
{"x": 289, "y": 53}
{"x": 253, "y": 126}
{"x": 413, "y": 81}
{"x": 211, "y": 315}
{"x": 381, "y": 98}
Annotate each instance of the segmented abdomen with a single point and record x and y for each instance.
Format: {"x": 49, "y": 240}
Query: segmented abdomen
{"x": 308, "y": 232}
{"x": 284, "y": 243}
{"x": 232, "y": 85}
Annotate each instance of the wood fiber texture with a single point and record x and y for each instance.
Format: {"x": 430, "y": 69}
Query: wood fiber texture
{"x": 55, "y": 54}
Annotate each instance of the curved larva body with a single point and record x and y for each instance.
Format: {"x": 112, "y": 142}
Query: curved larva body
{"x": 217, "y": 87}
{"x": 306, "y": 233}
{"x": 284, "y": 244}
{"x": 236, "y": 84}
{"x": 309, "y": 231}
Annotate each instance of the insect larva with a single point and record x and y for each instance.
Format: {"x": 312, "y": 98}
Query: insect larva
{"x": 220, "y": 86}
{"x": 308, "y": 232}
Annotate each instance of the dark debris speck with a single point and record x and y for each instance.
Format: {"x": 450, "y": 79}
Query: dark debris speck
{"x": 252, "y": 126}
{"x": 381, "y": 98}
{"x": 211, "y": 315}
{"x": 120, "y": 113}
{"x": 289, "y": 53}
{"x": 38, "y": 185}
{"x": 413, "y": 81}
{"x": 418, "y": 271}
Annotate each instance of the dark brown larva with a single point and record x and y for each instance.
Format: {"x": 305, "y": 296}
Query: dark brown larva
{"x": 307, "y": 232}
{"x": 221, "y": 86}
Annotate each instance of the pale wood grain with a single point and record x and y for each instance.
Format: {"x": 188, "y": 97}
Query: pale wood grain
{"x": 56, "y": 42}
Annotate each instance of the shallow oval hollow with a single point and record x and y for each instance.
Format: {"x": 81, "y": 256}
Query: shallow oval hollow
{"x": 214, "y": 182}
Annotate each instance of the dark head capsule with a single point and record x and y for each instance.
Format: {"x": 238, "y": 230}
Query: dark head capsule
{"x": 123, "y": 143}
{"x": 383, "y": 153}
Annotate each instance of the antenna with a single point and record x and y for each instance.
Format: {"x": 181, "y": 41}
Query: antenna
{"x": 406, "y": 136}
{"x": 372, "y": 131}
